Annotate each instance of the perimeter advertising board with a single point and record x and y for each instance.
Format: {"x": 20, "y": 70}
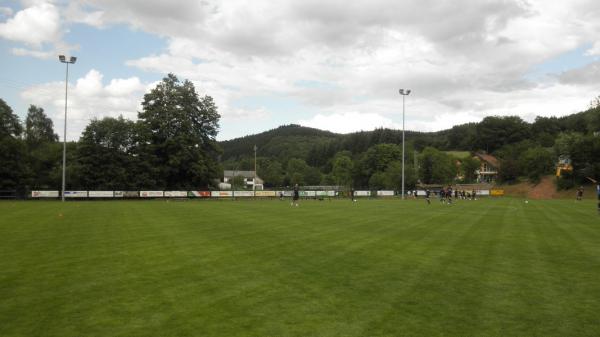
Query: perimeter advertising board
{"x": 243, "y": 194}
{"x": 483, "y": 192}
{"x": 199, "y": 194}
{"x": 285, "y": 193}
{"x": 76, "y": 194}
{"x": 44, "y": 194}
{"x": 129, "y": 194}
{"x": 221, "y": 194}
{"x": 497, "y": 192}
{"x": 151, "y": 194}
{"x": 265, "y": 194}
{"x": 176, "y": 194}
{"x": 362, "y": 193}
{"x": 101, "y": 194}
{"x": 385, "y": 193}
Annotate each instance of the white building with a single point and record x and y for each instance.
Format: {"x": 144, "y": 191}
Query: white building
{"x": 250, "y": 179}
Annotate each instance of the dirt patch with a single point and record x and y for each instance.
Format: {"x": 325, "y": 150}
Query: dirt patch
{"x": 546, "y": 189}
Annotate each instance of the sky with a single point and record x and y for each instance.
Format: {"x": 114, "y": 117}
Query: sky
{"x": 329, "y": 64}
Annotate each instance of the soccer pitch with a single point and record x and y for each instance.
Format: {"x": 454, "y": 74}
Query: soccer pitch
{"x": 492, "y": 267}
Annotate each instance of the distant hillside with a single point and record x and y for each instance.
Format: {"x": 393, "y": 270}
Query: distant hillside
{"x": 287, "y": 141}
{"x": 312, "y": 145}
{"x": 295, "y": 141}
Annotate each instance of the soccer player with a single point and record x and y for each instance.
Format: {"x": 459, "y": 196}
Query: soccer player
{"x": 296, "y": 196}
{"x": 427, "y": 193}
{"x": 597, "y": 190}
{"x": 579, "y": 193}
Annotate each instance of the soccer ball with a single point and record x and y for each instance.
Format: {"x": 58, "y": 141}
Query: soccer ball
{"x": 526, "y": 201}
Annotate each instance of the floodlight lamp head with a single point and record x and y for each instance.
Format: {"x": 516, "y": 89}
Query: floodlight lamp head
{"x": 73, "y": 59}
{"x": 61, "y": 58}
{"x": 408, "y": 91}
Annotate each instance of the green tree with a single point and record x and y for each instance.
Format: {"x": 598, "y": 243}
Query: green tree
{"x": 296, "y": 170}
{"x": 393, "y": 176}
{"x": 436, "y": 167}
{"x": 494, "y": 132}
{"x": 342, "y": 170}
{"x": 271, "y": 172}
{"x": 105, "y": 155}
{"x": 179, "y": 130}
{"x": 468, "y": 167}
{"x": 38, "y": 127}
{"x": 536, "y": 162}
{"x": 10, "y": 125}
{"x": 508, "y": 171}
{"x": 13, "y": 171}
{"x": 378, "y": 181}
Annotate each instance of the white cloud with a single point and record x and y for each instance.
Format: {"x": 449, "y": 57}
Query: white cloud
{"x": 464, "y": 60}
{"x": 33, "y": 25}
{"x": 89, "y": 98}
{"x": 6, "y": 11}
{"x": 349, "y": 122}
{"x": 595, "y": 50}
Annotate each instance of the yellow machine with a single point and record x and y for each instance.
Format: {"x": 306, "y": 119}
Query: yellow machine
{"x": 563, "y": 165}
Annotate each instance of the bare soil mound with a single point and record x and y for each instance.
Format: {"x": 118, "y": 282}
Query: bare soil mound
{"x": 546, "y": 189}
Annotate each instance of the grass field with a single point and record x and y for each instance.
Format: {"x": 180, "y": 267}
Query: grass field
{"x": 333, "y": 268}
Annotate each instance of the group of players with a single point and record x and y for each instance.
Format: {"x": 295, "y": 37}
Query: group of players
{"x": 446, "y": 194}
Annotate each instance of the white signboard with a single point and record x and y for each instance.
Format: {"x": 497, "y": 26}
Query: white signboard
{"x": 44, "y": 194}
{"x": 331, "y": 193}
{"x": 151, "y": 194}
{"x": 385, "y": 193}
{"x": 175, "y": 194}
{"x": 221, "y": 194}
{"x": 100, "y": 194}
{"x": 243, "y": 193}
{"x": 362, "y": 193}
{"x": 76, "y": 194}
{"x": 483, "y": 192}
{"x": 421, "y": 193}
{"x": 285, "y": 193}
{"x": 119, "y": 194}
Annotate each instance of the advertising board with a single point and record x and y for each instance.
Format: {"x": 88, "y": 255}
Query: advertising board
{"x": 362, "y": 193}
{"x": 385, "y": 193}
{"x": 100, "y": 194}
{"x": 265, "y": 194}
{"x": 199, "y": 194}
{"x": 76, "y": 194}
{"x": 243, "y": 194}
{"x": 151, "y": 194}
{"x": 221, "y": 194}
{"x": 44, "y": 194}
{"x": 496, "y": 192}
{"x": 176, "y": 194}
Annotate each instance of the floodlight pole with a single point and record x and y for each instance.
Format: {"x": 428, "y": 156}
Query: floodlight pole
{"x": 71, "y": 60}
{"x": 254, "y": 182}
{"x": 404, "y": 94}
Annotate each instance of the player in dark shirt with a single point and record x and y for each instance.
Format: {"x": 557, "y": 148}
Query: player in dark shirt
{"x": 296, "y": 196}
{"x": 427, "y": 193}
{"x": 579, "y": 193}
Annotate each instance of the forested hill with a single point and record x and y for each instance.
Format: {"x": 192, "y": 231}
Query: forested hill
{"x": 295, "y": 141}
{"x": 491, "y": 134}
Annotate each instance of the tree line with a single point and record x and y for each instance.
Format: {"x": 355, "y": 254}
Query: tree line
{"x": 172, "y": 146}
